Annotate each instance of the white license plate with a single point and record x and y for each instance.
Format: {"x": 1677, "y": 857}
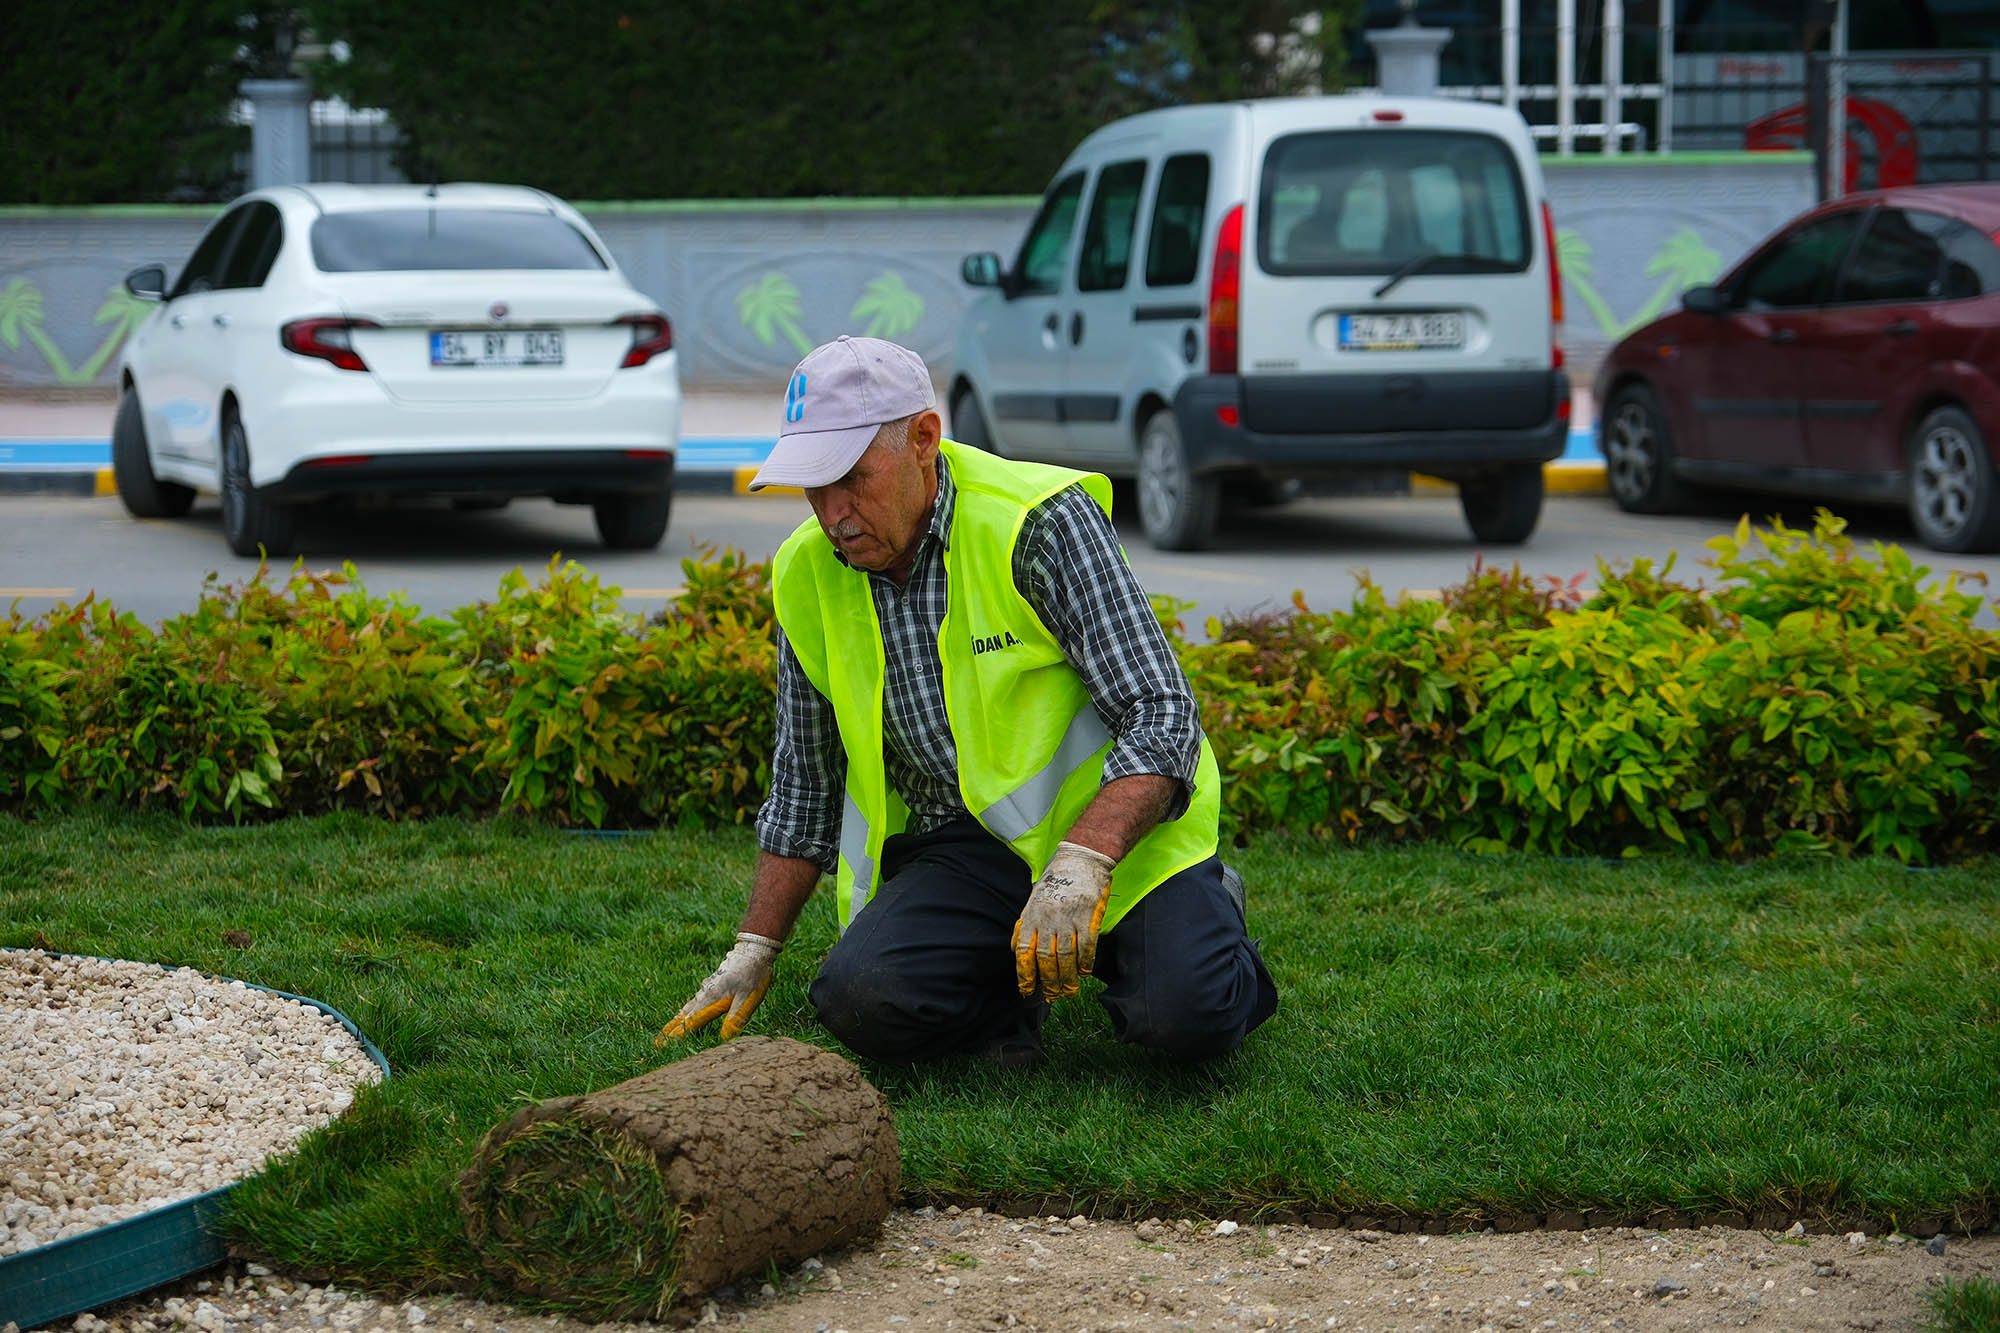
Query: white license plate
{"x": 1402, "y": 333}
{"x": 497, "y": 347}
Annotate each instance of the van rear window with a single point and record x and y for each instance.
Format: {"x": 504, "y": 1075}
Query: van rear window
{"x": 1371, "y": 201}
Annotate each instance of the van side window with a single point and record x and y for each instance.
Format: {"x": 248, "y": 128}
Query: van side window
{"x": 1045, "y": 250}
{"x": 1173, "y": 246}
{"x": 1369, "y": 201}
{"x": 1107, "y": 236}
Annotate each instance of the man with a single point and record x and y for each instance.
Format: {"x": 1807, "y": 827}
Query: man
{"x": 984, "y": 736}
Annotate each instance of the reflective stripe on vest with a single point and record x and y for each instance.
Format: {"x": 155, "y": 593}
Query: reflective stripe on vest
{"x": 1020, "y": 810}
{"x": 854, "y": 851}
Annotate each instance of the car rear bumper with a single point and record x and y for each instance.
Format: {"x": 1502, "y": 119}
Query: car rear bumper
{"x": 1447, "y": 437}
{"x": 326, "y": 413}
{"x": 564, "y": 474}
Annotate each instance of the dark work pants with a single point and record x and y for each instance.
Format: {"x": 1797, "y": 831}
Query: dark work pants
{"x": 926, "y": 969}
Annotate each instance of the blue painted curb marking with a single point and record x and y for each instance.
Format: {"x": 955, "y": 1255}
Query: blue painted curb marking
{"x": 697, "y": 454}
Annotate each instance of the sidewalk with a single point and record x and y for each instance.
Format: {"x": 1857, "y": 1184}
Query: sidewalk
{"x": 66, "y": 447}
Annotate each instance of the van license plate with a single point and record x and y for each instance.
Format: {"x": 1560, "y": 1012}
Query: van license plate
{"x": 496, "y": 347}
{"x": 1402, "y": 333}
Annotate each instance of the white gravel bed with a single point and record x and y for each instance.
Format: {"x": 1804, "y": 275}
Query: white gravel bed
{"x": 125, "y": 1087}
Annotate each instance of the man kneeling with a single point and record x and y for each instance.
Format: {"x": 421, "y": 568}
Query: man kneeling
{"x": 984, "y": 736}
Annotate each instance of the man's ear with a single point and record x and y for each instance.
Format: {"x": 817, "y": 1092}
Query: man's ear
{"x": 925, "y": 433}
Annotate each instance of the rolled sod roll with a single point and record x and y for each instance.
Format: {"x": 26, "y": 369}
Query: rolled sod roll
{"x": 664, "y": 1187}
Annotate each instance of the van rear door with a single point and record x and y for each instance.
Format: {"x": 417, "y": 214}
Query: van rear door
{"x": 1394, "y": 277}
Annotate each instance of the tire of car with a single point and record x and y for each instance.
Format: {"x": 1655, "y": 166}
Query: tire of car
{"x": 144, "y": 494}
{"x": 1639, "y": 453}
{"x": 1954, "y": 491}
{"x": 968, "y": 423}
{"x": 632, "y": 522}
{"x": 251, "y": 524}
{"x": 1177, "y": 508}
{"x": 1503, "y": 507}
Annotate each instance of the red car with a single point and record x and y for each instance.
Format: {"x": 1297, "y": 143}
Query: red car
{"x": 1853, "y": 356}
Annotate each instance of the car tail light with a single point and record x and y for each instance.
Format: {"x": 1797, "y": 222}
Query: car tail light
{"x": 1229, "y": 415}
{"x": 1389, "y": 117}
{"x": 1225, "y": 291}
{"x": 340, "y": 460}
{"x": 327, "y": 339}
{"x": 1555, "y": 288}
{"x": 651, "y": 335}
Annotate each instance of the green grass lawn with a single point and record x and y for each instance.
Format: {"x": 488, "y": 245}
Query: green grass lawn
{"x": 1460, "y": 1038}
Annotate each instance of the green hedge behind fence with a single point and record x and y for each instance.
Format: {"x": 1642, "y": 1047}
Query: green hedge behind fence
{"x": 1819, "y": 698}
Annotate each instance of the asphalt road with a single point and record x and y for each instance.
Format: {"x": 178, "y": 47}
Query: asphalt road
{"x": 60, "y": 548}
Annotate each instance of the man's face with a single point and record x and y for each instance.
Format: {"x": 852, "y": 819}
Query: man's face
{"x": 875, "y": 514}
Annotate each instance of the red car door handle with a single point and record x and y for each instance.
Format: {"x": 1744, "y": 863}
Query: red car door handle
{"x": 1902, "y": 328}
{"x": 1780, "y": 336}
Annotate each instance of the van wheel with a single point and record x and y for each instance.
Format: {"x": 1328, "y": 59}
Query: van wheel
{"x": 1503, "y": 507}
{"x": 250, "y": 522}
{"x": 1639, "y": 453}
{"x": 145, "y": 495}
{"x": 1176, "y": 507}
{"x": 968, "y": 423}
{"x": 1954, "y": 493}
{"x": 633, "y": 522}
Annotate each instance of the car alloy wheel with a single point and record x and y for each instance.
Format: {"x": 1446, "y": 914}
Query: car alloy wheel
{"x": 1631, "y": 451}
{"x": 1176, "y": 507}
{"x": 144, "y": 495}
{"x": 1953, "y": 499}
{"x": 1638, "y": 453}
{"x": 251, "y": 525}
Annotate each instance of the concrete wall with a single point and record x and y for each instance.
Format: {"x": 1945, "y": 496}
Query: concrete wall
{"x": 752, "y": 286}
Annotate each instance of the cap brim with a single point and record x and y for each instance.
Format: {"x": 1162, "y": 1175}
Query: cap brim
{"x": 814, "y": 458}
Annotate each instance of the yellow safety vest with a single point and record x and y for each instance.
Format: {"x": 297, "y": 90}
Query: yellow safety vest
{"x": 1031, "y": 747}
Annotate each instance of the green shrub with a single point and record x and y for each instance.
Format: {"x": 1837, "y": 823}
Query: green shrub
{"x": 32, "y": 722}
{"x": 1819, "y": 699}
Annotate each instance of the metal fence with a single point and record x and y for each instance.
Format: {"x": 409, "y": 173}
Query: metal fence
{"x": 1720, "y": 77}
{"x": 355, "y": 145}
{"x": 1912, "y": 117}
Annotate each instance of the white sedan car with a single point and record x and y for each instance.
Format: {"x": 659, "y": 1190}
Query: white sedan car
{"x": 469, "y": 341}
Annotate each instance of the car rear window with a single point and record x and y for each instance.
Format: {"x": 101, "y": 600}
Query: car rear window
{"x": 1370, "y": 201}
{"x": 401, "y": 239}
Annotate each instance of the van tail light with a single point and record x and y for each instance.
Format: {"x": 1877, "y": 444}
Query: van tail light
{"x": 1225, "y": 293}
{"x": 1555, "y": 288}
{"x": 326, "y": 339}
{"x": 651, "y": 335}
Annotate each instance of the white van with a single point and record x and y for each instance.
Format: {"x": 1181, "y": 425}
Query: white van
{"x": 1237, "y": 296}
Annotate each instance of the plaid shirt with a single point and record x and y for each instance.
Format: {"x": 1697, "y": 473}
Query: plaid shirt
{"x": 1069, "y": 567}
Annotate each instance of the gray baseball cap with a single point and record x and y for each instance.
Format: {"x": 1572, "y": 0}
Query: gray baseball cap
{"x": 835, "y": 402}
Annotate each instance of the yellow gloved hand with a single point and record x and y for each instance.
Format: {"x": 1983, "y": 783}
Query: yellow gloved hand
{"x": 734, "y": 989}
{"x": 1055, "y": 941}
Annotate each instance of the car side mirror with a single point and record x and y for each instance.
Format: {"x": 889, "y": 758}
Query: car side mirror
{"x": 981, "y": 270}
{"x": 148, "y": 283}
{"x": 1703, "y": 301}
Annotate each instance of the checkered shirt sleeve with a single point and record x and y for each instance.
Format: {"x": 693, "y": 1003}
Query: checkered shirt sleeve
{"x": 1070, "y": 567}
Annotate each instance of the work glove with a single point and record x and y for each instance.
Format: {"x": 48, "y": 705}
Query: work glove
{"x": 1055, "y": 941}
{"x": 733, "y": 990}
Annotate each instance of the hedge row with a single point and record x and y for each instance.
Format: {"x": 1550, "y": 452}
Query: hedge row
{"x": 1819, "y": 698}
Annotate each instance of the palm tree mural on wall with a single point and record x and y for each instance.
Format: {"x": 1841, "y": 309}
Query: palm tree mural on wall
{"x": 889, "y": 306}
{"x": 1683, "y": 260}
{"x": 771, "y": 308}
{"x": 21, "y": 315}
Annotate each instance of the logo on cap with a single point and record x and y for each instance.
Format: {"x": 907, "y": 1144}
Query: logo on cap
{"x": 795, "y": 398}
